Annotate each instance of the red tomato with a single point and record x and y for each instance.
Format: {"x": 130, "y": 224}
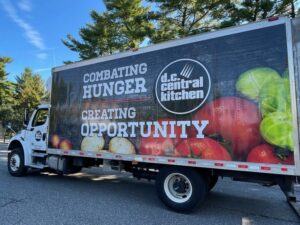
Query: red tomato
{"x": 160, "y": 146}
{"x": 156, "y": 146}
{"x": 263, "y": 154}
{"x": 205, "y": 148}
{"x": 236, "y": 120}
{"x": 183, "y": 149}
{"x": 65, "y": 144}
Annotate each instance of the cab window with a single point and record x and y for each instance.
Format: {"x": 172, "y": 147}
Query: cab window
{"x": 40, "y": 117}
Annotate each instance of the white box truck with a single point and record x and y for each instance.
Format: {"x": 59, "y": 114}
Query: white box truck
{"x": 183, "y": 112}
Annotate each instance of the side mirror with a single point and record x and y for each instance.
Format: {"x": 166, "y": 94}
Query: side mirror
{"x": 8, "y": 126}
{"x": 25, "y": 123}
{"x": 26, "y": 119}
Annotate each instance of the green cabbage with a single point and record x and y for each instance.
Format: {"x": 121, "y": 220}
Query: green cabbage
{"x": 276, "y": 129}
{"x": 275, "y": 97}
{"x": 251, "y": 82}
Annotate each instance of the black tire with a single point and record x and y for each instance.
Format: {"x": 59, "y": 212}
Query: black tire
{"x": 15, "y": 163}
{"x": 212, "y": 182}
{"x": 172, "y": 185}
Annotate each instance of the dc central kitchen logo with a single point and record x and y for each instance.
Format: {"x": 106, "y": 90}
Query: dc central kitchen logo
{"x": 182, "y": 86}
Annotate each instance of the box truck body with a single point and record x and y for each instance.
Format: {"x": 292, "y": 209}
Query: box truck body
{"x": 224, "y": 103}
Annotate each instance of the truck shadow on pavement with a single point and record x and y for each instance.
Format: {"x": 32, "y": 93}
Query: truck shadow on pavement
{"x": 252, "y": 202}
{"x": 227, "y": 200}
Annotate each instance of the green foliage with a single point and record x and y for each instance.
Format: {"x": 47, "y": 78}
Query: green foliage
{"x": 129, "y": 24}
{"x": 26, "y": 93}
{"x": 187, "y": 17}
{"x": 99, "y": 38}
{"x": 29, "y": 92}
{"x": 253, "y": 10}
{"x": 6, "y": 92}
{"x": 132, "y": 20}
{"x": 30, "y": 89}
{"x": 6, "y": 87}
{"x": 125, "y": 25}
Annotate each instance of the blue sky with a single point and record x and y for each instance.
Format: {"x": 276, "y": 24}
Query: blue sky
{"x": 32, "y": 30}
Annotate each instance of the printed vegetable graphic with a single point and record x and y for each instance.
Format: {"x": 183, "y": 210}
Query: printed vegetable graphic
{"x": 157, "y": 146}
{"x": 275, "y": 97}
{"x": 276, "y": 129}
{"x": 160, "y": 146}
{"x": 65, "y": 144}
{"x": 205, "y": 148}
{"x": 59, "y": 142}
{"x": 55, "y": 140}
{"x": 266, "y": 153}
{"x": 251, "y": 82}
{"x": 121, "y": 146}
{"x": 236, "y": 120}
{"x": 93, "y": 143}
{"x": 263, "y": 154}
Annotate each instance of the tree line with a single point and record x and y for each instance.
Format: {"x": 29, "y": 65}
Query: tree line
{"x": 129, "y": 24}
{"x": 26, "y": 93}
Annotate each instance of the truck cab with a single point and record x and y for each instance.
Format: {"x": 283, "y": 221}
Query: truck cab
{"x": 28, "y": 147}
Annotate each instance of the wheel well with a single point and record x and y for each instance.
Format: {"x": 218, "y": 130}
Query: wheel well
{"x": 14, "y": 144}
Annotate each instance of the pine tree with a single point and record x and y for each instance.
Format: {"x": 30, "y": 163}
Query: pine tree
{"x": 6, "y": 87}
{"x": 6, "y": 93}
{"x": 30, "y": 90}
{"x": 186, "y": 17}
{"x": 125, "y": 25}
{"x": 253, "y": 10}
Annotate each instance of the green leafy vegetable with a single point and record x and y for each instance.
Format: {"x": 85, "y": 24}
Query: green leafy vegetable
{"x": 275, "y": 97}
{"x": 276, "y": 129}
{"x": 251, "y": 82}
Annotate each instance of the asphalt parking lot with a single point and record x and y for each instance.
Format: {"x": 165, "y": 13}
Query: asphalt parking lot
{"x": 98, "y": 197}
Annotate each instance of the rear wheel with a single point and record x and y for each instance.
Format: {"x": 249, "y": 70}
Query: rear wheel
{"x": 15, "y": 163}
{"x": 181, "y": 189}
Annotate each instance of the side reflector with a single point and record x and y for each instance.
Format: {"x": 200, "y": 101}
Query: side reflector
{"x": 241, "y": 166}
{"x": 265, "y": 168}
{"x": 192, "y": 162}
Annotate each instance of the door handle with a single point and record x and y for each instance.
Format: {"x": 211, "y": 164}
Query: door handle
{"x": 44, "y": 136}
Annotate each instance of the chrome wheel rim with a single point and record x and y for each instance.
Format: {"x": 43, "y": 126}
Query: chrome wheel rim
{"x": 15, "y": 162}
{"x": 178, "y": 187}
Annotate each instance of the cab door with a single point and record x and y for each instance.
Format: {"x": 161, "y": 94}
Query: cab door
{"x": 37, "y": 130}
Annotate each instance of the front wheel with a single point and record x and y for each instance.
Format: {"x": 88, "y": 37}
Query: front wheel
{"x": 181, "y": 189}
{"x": 15, "y": 163}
